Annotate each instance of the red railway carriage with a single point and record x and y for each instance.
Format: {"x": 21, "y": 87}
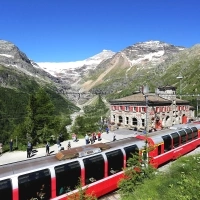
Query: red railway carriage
{"x": 98, "y": 166}
{"x": 172, "y": 143}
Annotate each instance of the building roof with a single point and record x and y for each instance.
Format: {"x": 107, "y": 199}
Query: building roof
{"x": 151, "y": 97}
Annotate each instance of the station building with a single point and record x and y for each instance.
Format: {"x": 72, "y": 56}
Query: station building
{"x": 158, "y": 110}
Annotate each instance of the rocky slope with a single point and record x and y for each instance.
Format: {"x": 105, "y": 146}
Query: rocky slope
{"x": 12, "y": 57}
{"x": 16, "y": 61}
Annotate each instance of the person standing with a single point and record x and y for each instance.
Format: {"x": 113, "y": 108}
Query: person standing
{"x": 29, "y": 150}
{"x": 47, "y": 149}
{"x": 1, "y": 148}
{"x": 87, "y": 141}
{"x": 69, "y": 145}
{"x": 114, "y": 136}
{"x": 11, "y": 145}
{"x": 99, "y": 136}
{"x": 59, "y": 147}
{"x": 107, "y": 130}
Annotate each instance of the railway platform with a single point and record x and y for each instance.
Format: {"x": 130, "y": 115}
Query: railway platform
{"x": 14, "y": 156}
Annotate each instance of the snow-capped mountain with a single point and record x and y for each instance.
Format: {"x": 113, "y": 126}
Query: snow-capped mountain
{"x": 104, "y": 66}
{"x": 142, "y": 55}
{"x": 130, "y": 62}
{"x": 12, "y": 57}
{"x": 151, "y": 51}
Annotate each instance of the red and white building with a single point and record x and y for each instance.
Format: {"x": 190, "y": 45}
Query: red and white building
{"x": 156, "y": 110}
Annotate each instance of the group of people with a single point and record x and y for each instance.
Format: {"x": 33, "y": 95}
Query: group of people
{"x": 91, "y": 138}
{"x": 41, "y": 194}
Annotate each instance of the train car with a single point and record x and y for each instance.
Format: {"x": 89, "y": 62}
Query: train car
{"x": 99, "y": 166}
{"x": 172, "y": 143}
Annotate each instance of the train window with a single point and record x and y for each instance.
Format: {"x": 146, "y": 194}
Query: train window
{"x": 189, "y": 133}
{"x": 195, "y": 132}
{"x": 175, "y": 137}
{"x": 131, "y": 150}
{"x": 115, "y": 161}
{"x": 167, "y": 143}
{"x": 94, "y": 168}
{"x": 6, "y": 189}
{"x": 35, "y": 185}
{"x": 183, "y": 136}
{"x": 159, "y": 149}
{"x": 67, "y": 177}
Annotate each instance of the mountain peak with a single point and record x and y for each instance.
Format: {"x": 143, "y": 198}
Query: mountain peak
{"x": 150, "y": 51}
{"x": 105, "y": 54}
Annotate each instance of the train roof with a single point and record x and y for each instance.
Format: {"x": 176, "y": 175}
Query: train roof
{"x": 65, "y": 156}
{"x": 157, "y": 135}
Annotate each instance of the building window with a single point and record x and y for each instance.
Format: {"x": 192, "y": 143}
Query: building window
{"x": 127, "y": 120}
{"x": 134, "y": 121}
{"x": 126, "y": 108}
{"x": 113, "y": 108}
{"x": 143, "y": 122}
{"x": 114, "y": 118}
{"x": 134, "y": 109}
{"x": 143, "y": 109}
{"x": 120, "y": 119}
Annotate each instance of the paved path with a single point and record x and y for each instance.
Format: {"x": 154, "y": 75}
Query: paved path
{"x": 15, "y": 156}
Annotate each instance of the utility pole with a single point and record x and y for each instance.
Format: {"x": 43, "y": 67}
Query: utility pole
{"x": 197, "y": 107}
{"x": 145, "y": 91}
{"x": 180, "y": 78}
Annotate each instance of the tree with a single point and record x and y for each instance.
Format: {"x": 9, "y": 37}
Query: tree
{"x": 90, "y": 122}
{"x": 136, "y": 172}
{"x": 40, "y": 116}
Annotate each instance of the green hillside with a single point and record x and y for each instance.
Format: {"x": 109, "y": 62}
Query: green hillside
{"x": 15, "y": 91}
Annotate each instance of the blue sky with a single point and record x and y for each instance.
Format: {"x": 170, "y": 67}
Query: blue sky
{"x": 71, "y": 30}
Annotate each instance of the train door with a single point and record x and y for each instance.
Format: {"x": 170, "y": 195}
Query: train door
{"x": 94, "y": 168}
{"x": 115, "y": 161}
{"x": 35, "y": 185}
{"x": 6, "y": 189}
{"x": 67, "y": 177}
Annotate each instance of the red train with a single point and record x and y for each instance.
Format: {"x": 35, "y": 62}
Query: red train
{"x": 99, "y": 166}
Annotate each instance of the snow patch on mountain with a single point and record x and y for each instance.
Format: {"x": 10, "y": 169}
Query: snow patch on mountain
{"x": 7, "y": 55}
{"x": 153, "y": 57}
{"x": 60, "y": 69}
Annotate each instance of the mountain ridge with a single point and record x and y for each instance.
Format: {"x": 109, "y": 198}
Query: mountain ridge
{"x": 140, "y": 55}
